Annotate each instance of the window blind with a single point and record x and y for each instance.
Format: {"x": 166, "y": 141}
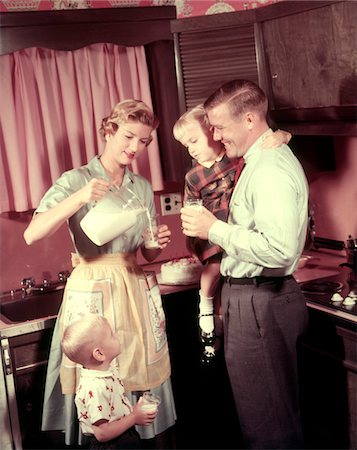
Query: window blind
{"x": 205, "y": 59}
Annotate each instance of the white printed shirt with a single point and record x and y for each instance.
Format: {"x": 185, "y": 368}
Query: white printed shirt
{"x": 100, "y": 395}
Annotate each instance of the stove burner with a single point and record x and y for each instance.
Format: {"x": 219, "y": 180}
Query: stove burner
{"x": 321, "y": 287}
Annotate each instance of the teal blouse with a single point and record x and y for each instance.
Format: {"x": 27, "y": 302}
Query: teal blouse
{"x": 73, "y": 180}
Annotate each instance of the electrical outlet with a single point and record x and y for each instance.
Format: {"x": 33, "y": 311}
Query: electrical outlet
{"x": 170, "y": 203}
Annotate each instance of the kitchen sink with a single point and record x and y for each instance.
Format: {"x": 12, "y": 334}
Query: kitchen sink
{"x": 31, "y": 307}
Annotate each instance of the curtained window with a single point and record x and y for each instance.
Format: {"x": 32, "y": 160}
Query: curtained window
{"x": 52, "y": 104}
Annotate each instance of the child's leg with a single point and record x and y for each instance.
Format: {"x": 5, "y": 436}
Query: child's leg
{"x": 210, "y": 280}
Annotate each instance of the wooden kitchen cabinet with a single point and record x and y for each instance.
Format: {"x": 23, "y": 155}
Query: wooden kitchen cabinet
{"x": 29, "y": 356}
{"x": 328, "y": 381}
{"x": 310, "y": 62}
{"x": 301, "y": 53}
{"x": 206, "y": 416}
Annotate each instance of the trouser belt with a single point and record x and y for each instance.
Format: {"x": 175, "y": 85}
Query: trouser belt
{"x": 256, "y": 280}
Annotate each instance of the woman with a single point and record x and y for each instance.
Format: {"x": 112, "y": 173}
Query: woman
{"x": 107, "y": 278}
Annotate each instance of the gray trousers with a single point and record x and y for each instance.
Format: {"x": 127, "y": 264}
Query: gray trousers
{"x": 262, "y": 326}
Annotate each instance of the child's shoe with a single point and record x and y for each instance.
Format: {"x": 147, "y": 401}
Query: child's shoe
{"x": 207, "y": 338}
{"x": 208, "y": 355}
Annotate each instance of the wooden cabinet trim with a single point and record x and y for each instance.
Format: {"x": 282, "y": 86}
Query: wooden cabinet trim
{"x": 78, "y": 28}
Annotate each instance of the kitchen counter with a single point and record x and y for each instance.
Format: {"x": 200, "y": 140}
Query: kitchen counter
{"x": 323, "y": 264}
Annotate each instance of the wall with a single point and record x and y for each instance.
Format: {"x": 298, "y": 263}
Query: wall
{"x": 334, "y": 193}
{"x": 185, "y": 8}
{"x": 44, "y": 259}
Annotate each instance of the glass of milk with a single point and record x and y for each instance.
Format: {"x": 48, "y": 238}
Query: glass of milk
{"x": 112, "y": 216}
{"x": 150, "y": 401}
{"x": 195, "y": 203}
{"x": 150, "y": 234}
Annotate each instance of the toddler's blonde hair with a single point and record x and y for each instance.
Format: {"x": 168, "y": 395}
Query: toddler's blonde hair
{"x": 81, "y": 337}
{"x": 195, "y": 114}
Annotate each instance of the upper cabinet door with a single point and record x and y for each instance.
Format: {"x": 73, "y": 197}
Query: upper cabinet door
{"x": 212, "y": 50}
{"x": 311, "y": 58}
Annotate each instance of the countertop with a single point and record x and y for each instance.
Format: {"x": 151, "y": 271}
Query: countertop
{"x": 323, "y": 264}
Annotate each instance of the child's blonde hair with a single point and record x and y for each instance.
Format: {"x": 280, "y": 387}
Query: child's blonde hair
{"x": 128, "y": 111}
{"x": 81, "y": 337}
{"x": 195, "y": 114}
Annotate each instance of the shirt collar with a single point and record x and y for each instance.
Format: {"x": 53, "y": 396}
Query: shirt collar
{"x": 97, "y": 168}
{"x": 209, "y": 164}
{"x": 90, "y": 373}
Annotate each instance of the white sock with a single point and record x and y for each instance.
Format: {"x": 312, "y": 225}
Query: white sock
{"x": 206, "y": 307}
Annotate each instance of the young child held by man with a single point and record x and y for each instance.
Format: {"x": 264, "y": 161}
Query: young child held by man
{"x": 212, "y": 179}
{"x": 104, "y": 412}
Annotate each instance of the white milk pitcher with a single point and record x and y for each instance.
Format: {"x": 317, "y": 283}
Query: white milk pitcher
{"x": 112, "y": 216}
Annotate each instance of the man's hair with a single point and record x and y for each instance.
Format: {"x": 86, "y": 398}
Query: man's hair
{"x": 81, "y": 337}
{"x": 241, "y": 96}
{"x": 196, "y": 114}
{"x": 128, "y": 111}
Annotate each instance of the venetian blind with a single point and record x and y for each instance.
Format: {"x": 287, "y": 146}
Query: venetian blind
{"x": 208, "y": 58}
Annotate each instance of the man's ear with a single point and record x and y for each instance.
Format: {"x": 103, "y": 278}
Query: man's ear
{"x": 98, "y": 354}
{"x": 250, "y": 120}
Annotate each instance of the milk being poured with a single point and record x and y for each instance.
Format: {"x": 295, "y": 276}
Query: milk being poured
{"x": 111, "y": 217}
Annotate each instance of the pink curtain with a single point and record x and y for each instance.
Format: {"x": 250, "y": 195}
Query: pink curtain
{"x": 52, "y": 104}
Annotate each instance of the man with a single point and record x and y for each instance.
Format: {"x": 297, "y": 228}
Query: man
{"x": 263, "y": 307}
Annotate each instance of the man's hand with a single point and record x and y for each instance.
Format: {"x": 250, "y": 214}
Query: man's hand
{"x": 197, "y": 223}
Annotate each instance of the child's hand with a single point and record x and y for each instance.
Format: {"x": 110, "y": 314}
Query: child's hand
{"x": 143, "y": 417}
{"x": 276, "y": 139}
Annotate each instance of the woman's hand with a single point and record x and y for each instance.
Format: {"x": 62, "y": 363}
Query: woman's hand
{"x": 46, "y": 223}
{"x": 94, "y": 190}
{"x": 164, "y": 235}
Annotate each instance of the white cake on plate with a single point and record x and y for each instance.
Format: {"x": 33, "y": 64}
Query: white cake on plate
{"x": 181, "y": 271}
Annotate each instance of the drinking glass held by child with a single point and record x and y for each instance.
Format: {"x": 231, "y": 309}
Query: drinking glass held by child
{"x": 212, "y": 179}
{"x": 103, "y": 410}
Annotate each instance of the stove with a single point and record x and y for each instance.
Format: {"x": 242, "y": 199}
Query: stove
{"x": 335, "y": 292}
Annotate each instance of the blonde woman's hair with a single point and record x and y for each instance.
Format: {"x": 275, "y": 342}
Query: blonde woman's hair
{"x": 81, "y": 337}
{"x": 193, "y": 115}
{"x": 128, "y": 111}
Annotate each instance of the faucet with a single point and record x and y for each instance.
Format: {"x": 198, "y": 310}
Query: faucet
{"x": 28, "y": 285}
{"x": 63, "y": 275}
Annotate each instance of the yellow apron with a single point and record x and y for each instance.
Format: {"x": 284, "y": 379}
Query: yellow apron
{"x": 114, "y": 286}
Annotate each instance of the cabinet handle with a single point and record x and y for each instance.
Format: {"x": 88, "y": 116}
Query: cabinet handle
{"x": 29, "y": 407}
{"x": 6, "y": 357}
{"x": 274, "y": 76}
